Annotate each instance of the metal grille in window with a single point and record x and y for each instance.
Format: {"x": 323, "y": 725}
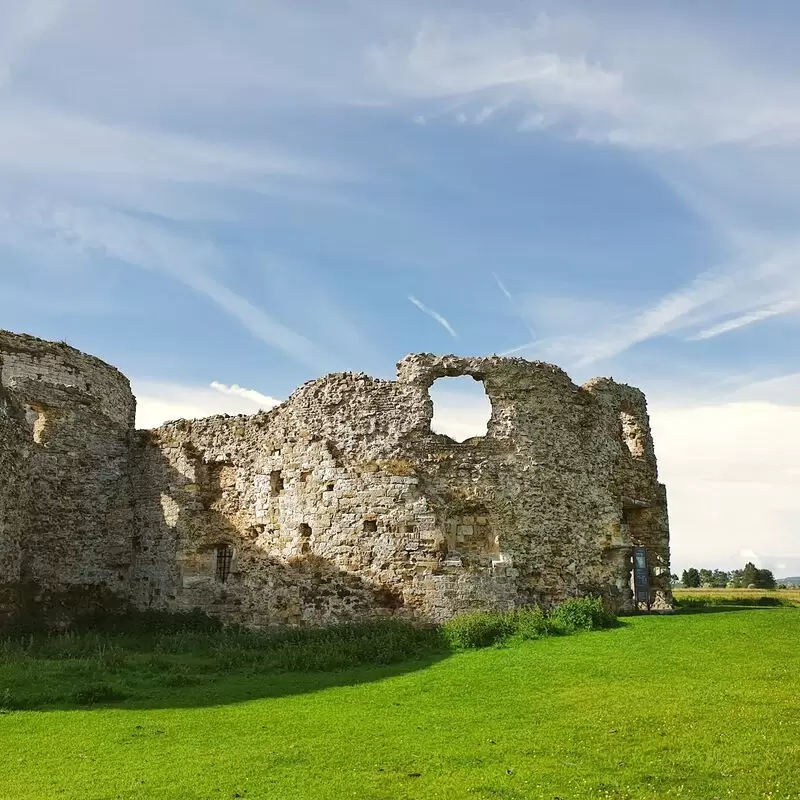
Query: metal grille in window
{"x": 224, "y": 556}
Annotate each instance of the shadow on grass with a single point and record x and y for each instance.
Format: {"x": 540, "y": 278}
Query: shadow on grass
{"x": 135, "y": 691}
{"x": 157, "y": 660}
{"x": 616, "y": 624}
{"x": 129, "y": 666}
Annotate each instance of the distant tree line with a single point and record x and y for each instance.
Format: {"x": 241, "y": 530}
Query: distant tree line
{"x": 750, "y": 575}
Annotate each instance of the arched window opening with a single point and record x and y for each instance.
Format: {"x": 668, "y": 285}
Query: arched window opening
{"x": 461, "y": 408}
{"x": 224, "y": 558}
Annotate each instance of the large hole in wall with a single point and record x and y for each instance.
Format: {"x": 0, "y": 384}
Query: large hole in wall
{"x": 461, "y": 408}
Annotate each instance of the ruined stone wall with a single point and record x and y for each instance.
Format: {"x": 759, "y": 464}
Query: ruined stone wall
{"x": 341, "y": 503}
{"x": 321, "y": 529}
{"x": 644, "y": 521}
{"x": 75, "y": 439}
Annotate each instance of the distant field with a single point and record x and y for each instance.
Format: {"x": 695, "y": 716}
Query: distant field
{"x": 692, "y": 705}
{"x": 743, "y": 596}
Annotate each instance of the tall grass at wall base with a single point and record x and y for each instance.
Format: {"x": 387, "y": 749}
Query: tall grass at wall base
{"x": 109, "y": 659}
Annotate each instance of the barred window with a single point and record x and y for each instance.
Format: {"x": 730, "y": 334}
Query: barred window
{"x": 224, "y": 557}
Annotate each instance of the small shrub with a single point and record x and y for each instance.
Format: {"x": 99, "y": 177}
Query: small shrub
{"x": 580, "y": 614}
{"x": 531, "y": 623}
{"x": 487, "y": 628}
{"x": 479, "y": 629}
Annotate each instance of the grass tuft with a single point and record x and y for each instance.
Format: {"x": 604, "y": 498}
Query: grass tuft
{"x": 581, "y": 614}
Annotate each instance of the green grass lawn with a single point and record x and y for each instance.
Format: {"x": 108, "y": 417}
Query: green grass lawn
{"x": 703, "y": 705}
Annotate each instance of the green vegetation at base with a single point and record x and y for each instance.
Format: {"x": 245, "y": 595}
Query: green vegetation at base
{"x": 683, "y": 706}
{"x": 483, "y": 629}
{"x": 124, "y": 660}
{"x": 141, "y": 656}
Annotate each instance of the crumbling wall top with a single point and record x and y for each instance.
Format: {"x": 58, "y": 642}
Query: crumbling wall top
{"x": 424, "y": 368}
{"x": 31, "y": 367}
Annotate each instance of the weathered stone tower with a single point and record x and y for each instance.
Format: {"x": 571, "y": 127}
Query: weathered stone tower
{"x": 341, "y": 503}
{"x": 65, "y": 459}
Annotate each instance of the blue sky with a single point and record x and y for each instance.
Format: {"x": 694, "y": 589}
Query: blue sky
{"x": 228, "y": 199}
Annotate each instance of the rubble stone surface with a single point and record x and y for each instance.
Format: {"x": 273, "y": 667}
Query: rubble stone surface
{"x": 338, "y": 504}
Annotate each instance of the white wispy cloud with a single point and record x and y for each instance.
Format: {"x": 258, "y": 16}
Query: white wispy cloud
{"x": 45, "y": 141}
{"x": 578, "y": 72}
{"x": 23, "y": 25}
{"x": 571, "y": 75}
{"x": 473, "y": 56}
{"x": 720, "y": 129}
{"x": 147, "y": 246}
{"x": 514, "y": 306}
{"x": 581, "y": 333}
{"x": 163, "y": 148}
{"x": 234, "y": 390}
{"x": 435, "y": 315}
{"x": 158, "y": 402}
{"x": 670, "y": 313}
{"x": 85, "y": 171}
{"x": 761, "y": 281}
{"x": 786, "y": 307}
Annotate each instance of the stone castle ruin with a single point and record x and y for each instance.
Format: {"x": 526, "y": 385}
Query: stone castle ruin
{"x": 338, "y": 504}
